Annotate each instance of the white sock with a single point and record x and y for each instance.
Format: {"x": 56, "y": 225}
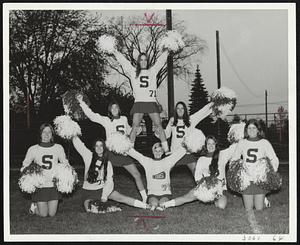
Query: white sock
{"x": 140, "y": 204}
{"x": 143, "y": 195}
{"x": 165, "y": 146}
{"x": 170, "y": 203}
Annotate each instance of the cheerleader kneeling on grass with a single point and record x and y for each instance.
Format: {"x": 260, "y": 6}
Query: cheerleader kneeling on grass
{"x": 158, "y": 173}
{"x": 116, "y": 123}
{"x": 98, "y": 176}
{"x": 207, "y": 170}
{"x": 252, "y": 149}
{"x": 46, "y": 154}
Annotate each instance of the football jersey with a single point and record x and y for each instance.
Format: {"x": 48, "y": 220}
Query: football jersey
{"x": 47, "y": 158}
{"x": 119, "y": 124}
{"x": 158, "y": 171}
{"x": 87, "y": 156}
{"x": 144, "y": 87}
{"x": 251, "y": 151}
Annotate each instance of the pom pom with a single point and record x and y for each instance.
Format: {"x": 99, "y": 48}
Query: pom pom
{"x": 31, "y": 178}
{"x": 172, "y": 41}
{"x": 194, "y": 140}
{"x": 236, "y": 132}
{"x": 98, "y": 207}
{"x": 224, "y": 101}
{"x": 237, "y": 178}
{"x": 71, "y": 104}
{"x": 270, "y": 179}
{"x": 119, "y": 143}
{"x": 106, "y": 43}
{"x": 209, "y": 189}
{"x": 65, "y": 177}
{"x": 66, "y": 128}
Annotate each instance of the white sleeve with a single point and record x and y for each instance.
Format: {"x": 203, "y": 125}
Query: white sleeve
{"x": 94, "y": 117}
{"x": 160, "y": 62}
{"x": 168, "y": 130}
{"x": 270, "y": 153}
{"x": 238, "y": 151}
{"x": 28, "y": 158}
{"x": 126, "y": 65}
{"x": 175, "y": 156}
{"x": 109, "y": 184}
{"x": 127, "y": 127}
{"x": 81, "y": 148}
{"x": 201, "y": 114}
{"x": 198, "y": 170}
{"x": 138, "y": 156}
{"x": 62, "y": 155}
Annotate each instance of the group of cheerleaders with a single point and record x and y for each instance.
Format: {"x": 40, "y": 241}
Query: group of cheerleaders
{"x": 98, "y": 181}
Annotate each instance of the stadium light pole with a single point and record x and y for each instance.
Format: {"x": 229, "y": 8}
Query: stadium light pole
{"x": 170, "y": 69}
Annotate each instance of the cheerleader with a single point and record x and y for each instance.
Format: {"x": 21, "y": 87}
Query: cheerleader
{"x": 144, "y": 86}
{"x": 115, "y": 122}
{"x": 98, "y": 176}
{"x": 47, "y": 154}
{"x": 158, "y": 173}
{"x": 179, "y": 125}
{"x": 207, "y": 165}
{"x": 252, "y": 148}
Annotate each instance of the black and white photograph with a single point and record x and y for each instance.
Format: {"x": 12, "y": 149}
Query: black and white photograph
{"x": 149, "y": 122}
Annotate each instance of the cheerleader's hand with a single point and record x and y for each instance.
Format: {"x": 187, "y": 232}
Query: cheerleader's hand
{"x": 79, "y": 97}
{"x": 162, "y": 206}
{"x": 103, "y": 199}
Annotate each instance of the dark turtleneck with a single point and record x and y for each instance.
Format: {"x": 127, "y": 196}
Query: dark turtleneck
{"x": 46, "y": 144}
{"x": 253, "y": 139}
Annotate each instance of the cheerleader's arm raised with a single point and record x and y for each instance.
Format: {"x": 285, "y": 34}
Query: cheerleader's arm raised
{"x": 126, "y": 65}
{"x": 175, "y": 156}
{"x": 201, "y": 114}
{"x": 81, "y": 148}
{"x": 138, "y": 156}
{"x": 109, "y": 184}
{"x": 168, "y": 129}
{"x": 270, "y": 153}
{"x": 238, "y": 151}
{"x": 160, "y": 62}
{"x": 94, "y": 117}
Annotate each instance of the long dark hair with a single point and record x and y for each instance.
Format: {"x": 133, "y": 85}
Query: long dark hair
{"x": 92, "y": 172}
{"x": 138, "y": 65}
{"x": 109, "y": 109}
{"x": 260, "y": 133}
{"x": 186, "y": 117}
{"x": 213, "y": 167}
{"x": 42, "y": 127}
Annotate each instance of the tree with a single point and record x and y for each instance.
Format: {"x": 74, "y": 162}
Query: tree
{"x": 133, "y": 40}
{"x": 52, "y": 51}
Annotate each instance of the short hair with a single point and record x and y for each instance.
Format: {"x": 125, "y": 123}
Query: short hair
{"x": 42, "y": 127}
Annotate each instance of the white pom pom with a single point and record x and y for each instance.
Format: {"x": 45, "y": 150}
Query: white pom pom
{"x": 224, "y": 101}
{"x": 205, "y": 194}
{"x": 172, "y": 41}
{"x": 118, "y": 143}
{"x": 257, "y": 171}
{"x": 66, "y": 128}
{"x": 194, "y": 140}
{"x": 236, "y": 132}
{"x": 65, "y": 177}
{"x": 107, "y": 43}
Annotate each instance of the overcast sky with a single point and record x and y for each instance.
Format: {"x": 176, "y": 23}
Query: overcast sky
{"x": 254, "y": 54}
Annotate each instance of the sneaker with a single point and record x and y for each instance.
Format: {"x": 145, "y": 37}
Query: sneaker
{"x": 160, "y": 208}
{"x": 267, "y": 202}
{"x": 32, "y": 208}
{"x": 152, "y": 208}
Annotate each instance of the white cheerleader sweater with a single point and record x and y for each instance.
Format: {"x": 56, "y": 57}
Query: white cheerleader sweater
{"x": 180, "y": 130}
{"x": 158, "y": 171}
{"x": 47, "y": 158}
{"x": 144, "y": 87}
{"x": 87, "y": 156}
{"x": 251, "y": 151}
{"x": 111, "y": 126}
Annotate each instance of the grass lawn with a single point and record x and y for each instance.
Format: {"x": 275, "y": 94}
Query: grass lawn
{"x": 192, "y": 218}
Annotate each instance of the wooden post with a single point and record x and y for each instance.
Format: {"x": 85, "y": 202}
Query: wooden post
{"x": 218, "y": 60}
{"x": 266, "y": 112}
{"x": 170, "y": 69}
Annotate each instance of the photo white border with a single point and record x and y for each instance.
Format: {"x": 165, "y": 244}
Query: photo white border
{"x": 291, "y": 7}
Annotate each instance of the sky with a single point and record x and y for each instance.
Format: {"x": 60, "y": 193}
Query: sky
{"x": 253, "y": 54}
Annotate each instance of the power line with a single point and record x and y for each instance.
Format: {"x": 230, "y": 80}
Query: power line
{"x": 236, "y": 73}
{"x": 269, "y": 103}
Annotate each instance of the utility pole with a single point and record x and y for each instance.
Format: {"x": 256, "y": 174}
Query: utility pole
{"x": 266, "y": 107}
{"x": 218, "y": 60}
{"x": 170, "y": 69}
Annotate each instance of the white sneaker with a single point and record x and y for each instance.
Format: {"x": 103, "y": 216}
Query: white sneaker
{"x": 267, "y": 202}
{"x": 32, "y": 208}
{"x": 160, "y": 208}
{"x": 152, "y": 208}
